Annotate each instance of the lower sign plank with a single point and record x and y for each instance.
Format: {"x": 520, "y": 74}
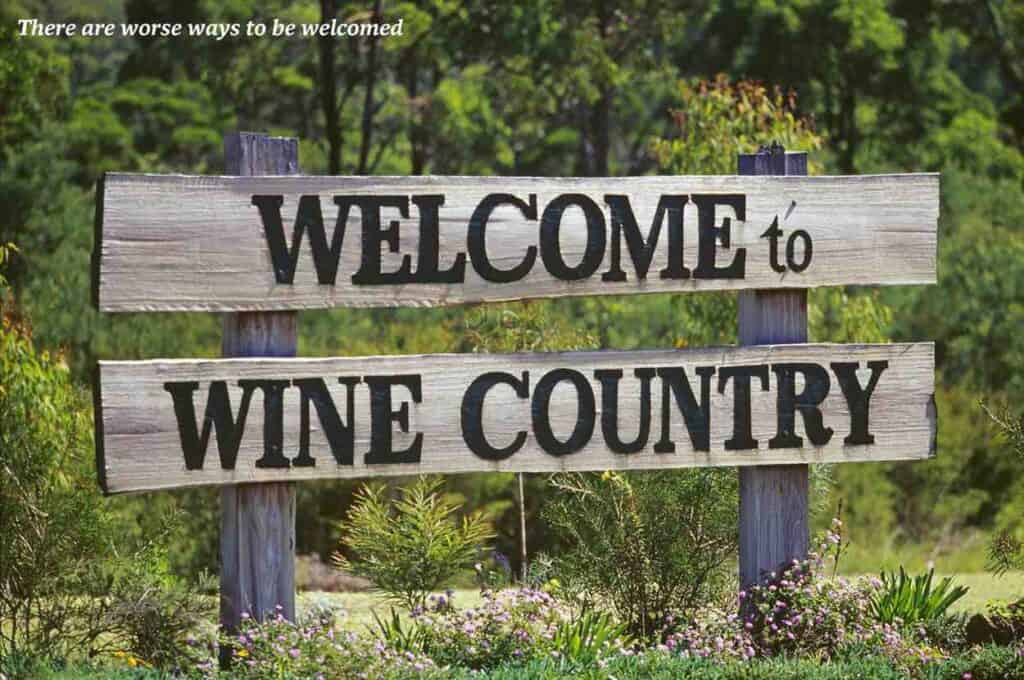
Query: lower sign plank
{"x": 176, "y": 423}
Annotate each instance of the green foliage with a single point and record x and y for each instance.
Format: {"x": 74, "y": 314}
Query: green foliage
{"x": 411, "y": 546}
{"x": 65, "y": 590}
{"x": 580, "y": 642}
{"x": 400, "y": 635}
{"x": 1006, "y": 551}
{"x": 645, "y": 544}
{"x": 717, "y": 120}
{"x": 910, "y": 600}
{"x": 151, "y": 615}
{"x": 51, "y": 515}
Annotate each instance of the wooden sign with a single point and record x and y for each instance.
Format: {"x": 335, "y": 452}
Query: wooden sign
{"x": 174, "y": 423}
{"x": 293, "y": 242}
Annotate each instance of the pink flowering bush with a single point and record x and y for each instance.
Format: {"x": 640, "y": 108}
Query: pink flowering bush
{"x": 510, "y": 625}
{"x": 802, "y": 612}
{"x": 314, "y": 649}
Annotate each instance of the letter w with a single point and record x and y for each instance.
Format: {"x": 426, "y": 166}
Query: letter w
{"x": 309, "y": 218}
{"x": 218, "y": 414}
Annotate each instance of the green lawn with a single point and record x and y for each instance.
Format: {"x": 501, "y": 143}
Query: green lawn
{"x": 984, "y": 588}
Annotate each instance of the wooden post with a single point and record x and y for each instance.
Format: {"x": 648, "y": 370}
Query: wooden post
{"x": 773, "y": 526}
{"x": 257, "y": 530}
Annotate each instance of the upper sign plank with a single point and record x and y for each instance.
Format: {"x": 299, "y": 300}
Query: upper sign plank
{"x": 275, "y": 243}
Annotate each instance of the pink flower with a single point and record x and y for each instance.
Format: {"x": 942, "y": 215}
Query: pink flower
{"x": 294, "y": 653}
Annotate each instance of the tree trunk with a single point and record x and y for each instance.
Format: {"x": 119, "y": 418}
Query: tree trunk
{"x": 368, "y": 105}
{"x": 329, "y": 91}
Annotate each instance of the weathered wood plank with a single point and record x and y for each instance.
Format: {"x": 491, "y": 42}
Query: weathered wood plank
{"x": 257, "y": 521}
{"x": 199, "y": 243}
{"x": 773, "y": 520}
{"x": 431, "y": 403}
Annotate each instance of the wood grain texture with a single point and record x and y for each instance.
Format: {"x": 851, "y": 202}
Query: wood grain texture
{"x": 197, "y": 243}
{"x": 143, "y": 449}
{"x": 257, "y": 532}
{"x": 773, "y": 518}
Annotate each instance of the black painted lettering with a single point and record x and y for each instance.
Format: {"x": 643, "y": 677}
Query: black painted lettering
{"x": 428, "y": 266}
{"x": 709, "y": 234}
{"x": 609, "y": 379}
{"x": 476, "y": 242}
{"x": 772, "y": 234}
{"x": 273, "y": 421}
{"x": 383, "y": 414}
{"x": 373, "y": 237}
{"x": 791, "y": 251}
{"x": 340, "y": 436}
{"x": 217, "y": 414}
{"x": 472, "y": 414}
{"x": 623, "y": 223}
{"x": 788, "y": 402}
{"x": 858, "y": 399}
{"x": 551, "y": 248}
{"x": 742, "y": 435}
{"x": 308, "y": 219}
{"x": 585, "y": 414}
{"x": 674, "y": 383}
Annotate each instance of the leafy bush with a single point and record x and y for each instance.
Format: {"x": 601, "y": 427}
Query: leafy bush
{"x": 152, "y": 616}
{"x": 1006, "y": 551}
{"x": 903, "y": 599}
{"x": 51, "y": 518}
{"x": 64, "y": 590}
{"x": 646, "y": 544}
{"x": 410, "y": 547}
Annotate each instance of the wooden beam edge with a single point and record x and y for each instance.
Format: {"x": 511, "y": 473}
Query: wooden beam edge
{"x": 574, "y": 355}
{"x": 290, "y": 305}
{"x": 97, "y": 243}
{"x": 98, "y": 434}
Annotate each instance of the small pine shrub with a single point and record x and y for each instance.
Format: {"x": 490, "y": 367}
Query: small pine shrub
{"x": 410, "y": 547}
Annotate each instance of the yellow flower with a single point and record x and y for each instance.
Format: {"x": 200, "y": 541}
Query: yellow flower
{"x": 243, "y": 653}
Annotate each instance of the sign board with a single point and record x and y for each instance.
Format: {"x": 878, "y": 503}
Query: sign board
{"x": 293, "y": 242}
{"x": 174, "y": 423}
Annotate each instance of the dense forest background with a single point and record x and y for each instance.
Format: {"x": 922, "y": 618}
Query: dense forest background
{"x": 557, "y": 87}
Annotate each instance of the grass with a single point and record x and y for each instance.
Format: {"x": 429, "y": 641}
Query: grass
{"x": 981, "y": 663}
{"x": 358, "y": 607}
{"x": 986, "y": 588}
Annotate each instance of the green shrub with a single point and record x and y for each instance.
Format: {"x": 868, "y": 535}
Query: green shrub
{"x": 51, "y": 518}
{"x": 914, "y": 599}
{"x": 151, "y": 615}
{"x": 646, "y": 545}
{"x": 413, "y": 546}
{"x": 65, "y": 591}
